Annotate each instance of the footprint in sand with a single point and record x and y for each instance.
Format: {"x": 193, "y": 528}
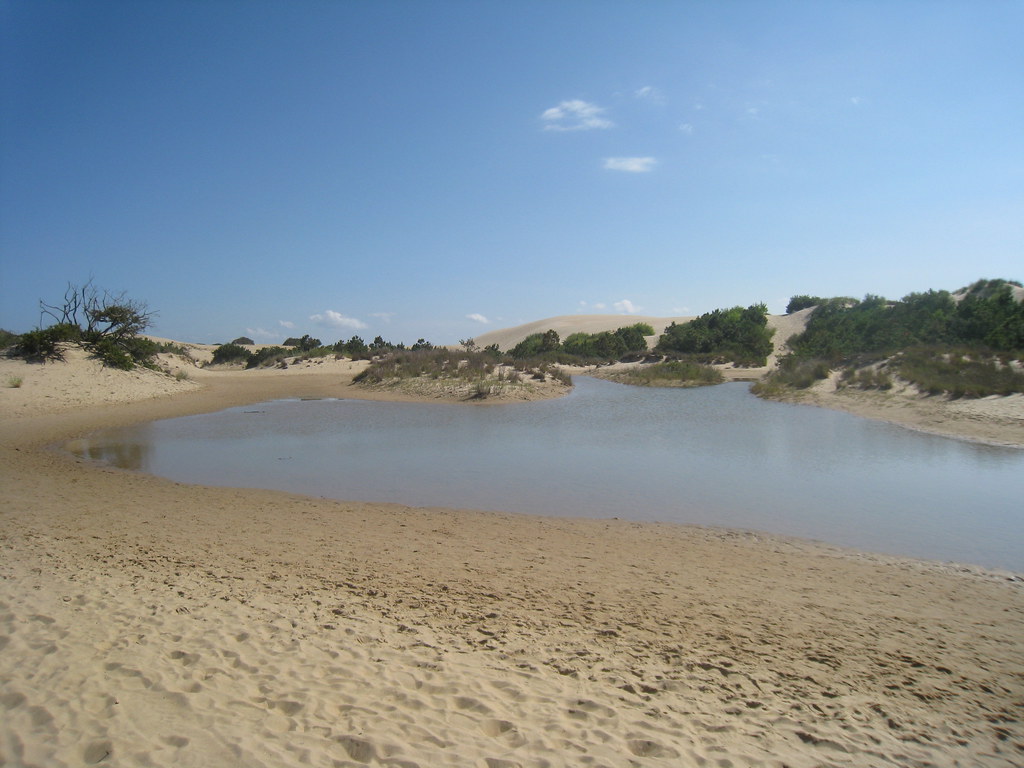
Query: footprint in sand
{"x": 97, "y": 752}
{"x": 503, "y": 730}
{"x": 648, "y": 748}
{"x": 471, "y": 704}
{"x": 357, "y": 749}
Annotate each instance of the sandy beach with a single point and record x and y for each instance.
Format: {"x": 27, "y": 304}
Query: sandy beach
{"x": 146, "y": 622}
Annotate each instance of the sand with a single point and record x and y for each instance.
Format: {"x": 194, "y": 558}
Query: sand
{"x": 146, "y": 622}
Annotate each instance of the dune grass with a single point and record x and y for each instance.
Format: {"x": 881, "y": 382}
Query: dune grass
{"x": 670, "y": 373}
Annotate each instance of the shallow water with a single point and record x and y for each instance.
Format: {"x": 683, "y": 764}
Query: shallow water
{"x": 713, "y": 456}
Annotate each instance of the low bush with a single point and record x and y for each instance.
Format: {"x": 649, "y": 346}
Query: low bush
{"x": 671, "y": 373}
{"x": 456, "y": 365}
{"x": 792, "y": 373}
{"x": 869, "y": 377}
{"x": 44, "y": 344}
{"x": 268, "y": 357}
{"x": 962, "y": 372}
{"x": 230, "y": 353}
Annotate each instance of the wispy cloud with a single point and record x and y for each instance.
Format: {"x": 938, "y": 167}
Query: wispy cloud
{"x": 476, "y": 316}
{"x": 856, "y": 101}
{"x": 630, "y": 164}
{"x": 575, "y": 115}
{"x": 260, "y": 333}
{"x": 332, "y": 319}
{"x": 626, "y": 307}
{"x": 286, "y": 324}
{"x": 686, "y": 128}
{"x": 649, "y": 93}
{"x": 385, "y": 316}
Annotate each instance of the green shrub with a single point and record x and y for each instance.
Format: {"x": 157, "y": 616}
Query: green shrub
{"x": 112, "y": 355}
{"x": 357, "y": 349}
{"x": 230, "y": 353}
{"x": 7, "y": 339}
{"x": 792, "y": 373}
{"x": 40, "y": 345}
{"x": 243, "y": 340}
{"x": 796, "y": 303}
{"x": 986, "y": 314}
{"x": 958, "y": 372}
{"x": 267, "y": 357}
{"x": 738, "y": 335}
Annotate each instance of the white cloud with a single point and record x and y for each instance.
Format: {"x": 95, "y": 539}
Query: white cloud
{"x": 385, "y": 316}
{"x": 575, "y": 115}
{"x": 333, "y": 319}
{"x": 286, "y": 324}
{"x": 630, "y": 164}
{"x": 686, "y": 128}
{"x": 626, "y": 307}
{"x": 478, "y": 318}
{"x": 260, "y": 333}
{"x": 649, "y": 93}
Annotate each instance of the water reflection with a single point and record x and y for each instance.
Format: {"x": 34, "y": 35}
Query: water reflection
{"x": 713, "y": 456}
{"x": 127, "y": 450}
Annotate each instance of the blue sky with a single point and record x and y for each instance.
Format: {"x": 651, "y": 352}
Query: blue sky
{"x": 441, "y": 169}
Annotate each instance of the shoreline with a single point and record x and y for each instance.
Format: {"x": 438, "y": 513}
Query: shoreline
{"x": 996, "y": 421}
{"x": 139, "y": 625}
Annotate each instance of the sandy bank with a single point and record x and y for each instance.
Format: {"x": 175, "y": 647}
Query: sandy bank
{"x": 996, "y": 420}
{"x": 144, "y": 622}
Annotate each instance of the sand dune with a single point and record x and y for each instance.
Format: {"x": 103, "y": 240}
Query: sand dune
{"x": 565, "y": 325}
{"x": 145, "y": 622}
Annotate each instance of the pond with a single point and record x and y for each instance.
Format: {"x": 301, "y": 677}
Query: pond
{"x": 712, "y": 456}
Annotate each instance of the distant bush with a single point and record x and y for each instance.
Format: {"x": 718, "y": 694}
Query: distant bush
{"x": 431, "y": 363}
{"x": 670, "y": 373}
{"x": 738, "y": 335}
{"x": 244, "y": 340}
{"x": 841, "y": 329}
{"x": 230, "y": 353}
{"x": 584, "y": 348}
{"x": 356, "y": 348}
{"x": 479, "y": 368}
{"x": 536, "y": 344}
{"x": 107, "y": 324}
{"x": 266, "y": 357}
{"x": 796, "y": 303}
{"x": 304, "y": 344}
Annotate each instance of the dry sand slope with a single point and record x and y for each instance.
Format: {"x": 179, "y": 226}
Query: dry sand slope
{"x": 144, "y": 622}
